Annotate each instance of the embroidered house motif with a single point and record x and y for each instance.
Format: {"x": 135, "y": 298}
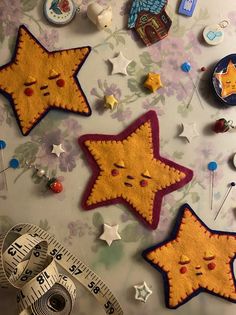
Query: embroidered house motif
{"x": 150, "y": 20}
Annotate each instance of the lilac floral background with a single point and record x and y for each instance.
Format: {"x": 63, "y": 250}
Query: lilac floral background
{"x": 62, "y": 214}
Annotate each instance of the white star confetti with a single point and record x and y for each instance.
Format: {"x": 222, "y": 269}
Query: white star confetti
{"x": 120, "y": 64}
{"x": 142, "y": 292}
{"x": 57, "y": 149}
{"x": 110, "y": 234}
{"x": 189, "y": 131}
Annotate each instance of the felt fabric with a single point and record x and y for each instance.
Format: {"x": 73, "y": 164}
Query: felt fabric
{"x": 37, "y": 80}
{"x": 195, "y": 259}
{"x": 227, "y": 80}
{"x": 128, "y": 168}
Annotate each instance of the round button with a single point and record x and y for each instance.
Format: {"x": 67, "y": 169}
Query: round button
{"x": 59, "y": 12}
{"x": 213, "y": 34}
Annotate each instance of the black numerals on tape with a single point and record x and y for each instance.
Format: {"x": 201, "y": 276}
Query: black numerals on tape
{"x": 19, "y": 296}
{"x": 37, "y": 250}
{"x": 41, "y": 278}
{"x": 13, "y": 250}
{"x": 109, "y": 308}
{"x": 26, "y": 275}
{"x": 94, "y": 288}
{"x": 55, "y": 254}
{"x": 75, "y": 270}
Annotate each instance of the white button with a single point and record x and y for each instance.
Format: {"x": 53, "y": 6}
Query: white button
{"x": 59, "y": 12}
{"x": 213, "y": 34}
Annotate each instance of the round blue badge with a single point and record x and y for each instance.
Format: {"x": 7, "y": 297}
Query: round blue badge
{"x": 224, "y": 80}
{"x": 2, "y": 144}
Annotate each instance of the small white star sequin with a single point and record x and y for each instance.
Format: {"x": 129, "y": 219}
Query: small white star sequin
{"x": 142, "y": 292}
{"x": 57, "y": 149}
{"x": 189, "y": 131}
{"x": 120, "y": 64}
{"x": 110, "y": 234}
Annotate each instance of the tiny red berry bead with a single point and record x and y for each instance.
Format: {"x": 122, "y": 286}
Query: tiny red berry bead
{"x": 56, "y": 186}
{"x": 183, "y": 270}
{"x": 60, "y": 82}
{"x": 203, "y": 69}
{"x": 143, "y": 183}
{"x": 114, "y": 172}
{"x": 29, "y": 92}
{"x": 221, "y": 125}
{"x": 211, "y": 266}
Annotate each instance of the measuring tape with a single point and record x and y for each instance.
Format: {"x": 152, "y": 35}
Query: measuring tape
{"x": 28, "y": 261}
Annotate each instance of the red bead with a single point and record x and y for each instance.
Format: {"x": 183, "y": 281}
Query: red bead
{"x": 211, "y": 266}
{"x": 60, "y": 82}
{"x": 56, "y": 186}
{"x": 203, "y": 69}
{"x": 220, "y": 126}
{"x": 114, "y": 172}
{"x": 143, "y": 183}
{"x": 29, "y": 91}
{"x": 183, "y": 270}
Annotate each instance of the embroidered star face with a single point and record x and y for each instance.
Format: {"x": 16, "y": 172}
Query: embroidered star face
{"x": 195, "y": 259}
{"x": 37, "y": 80}
{"x": 227, "y": 80}
{"x": 129, "y": 169}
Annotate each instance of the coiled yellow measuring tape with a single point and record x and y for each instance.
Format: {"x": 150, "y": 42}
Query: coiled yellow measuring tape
{"x": 28, "y": 261}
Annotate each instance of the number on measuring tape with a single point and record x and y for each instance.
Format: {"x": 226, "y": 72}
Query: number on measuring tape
{"x": 94, "y": 288}
{"x": 75, "y": 270}
{"x": 109, "y": 308}
{"x": 41, "y": 278}
{"x": 55, "y": 255}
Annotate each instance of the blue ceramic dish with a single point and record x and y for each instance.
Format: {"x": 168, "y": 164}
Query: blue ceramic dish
{"x": 224, "y": 80}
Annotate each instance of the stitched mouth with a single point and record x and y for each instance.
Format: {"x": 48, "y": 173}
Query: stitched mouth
{"x": 199, "y": 274}
{"x": 128, "y": 184}
{"x": 46, "y": 94}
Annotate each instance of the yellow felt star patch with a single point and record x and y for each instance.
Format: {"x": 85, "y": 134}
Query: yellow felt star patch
{"x": 227, "y": 80}
{"x": 128, "y": 169}
{"x": 37, "y": 80}
{"x": 153, "y": 82}
{"x": 195, "y": 259}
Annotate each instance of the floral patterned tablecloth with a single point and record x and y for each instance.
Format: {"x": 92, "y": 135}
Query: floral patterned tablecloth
{"x": 121, "y": 265}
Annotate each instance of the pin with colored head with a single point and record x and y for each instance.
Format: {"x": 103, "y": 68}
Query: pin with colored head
{"x": 186, "y": 67}
{"x": 3, "y": 179}
{"x": 212, "y": 167}
{"x": 231, "y": 185}
{"x": 13, "y": 163}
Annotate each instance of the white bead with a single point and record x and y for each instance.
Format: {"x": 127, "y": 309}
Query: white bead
{"x": 40, "y": 173}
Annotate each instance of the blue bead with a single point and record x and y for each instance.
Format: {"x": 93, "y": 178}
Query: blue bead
{"x": 14, "y": 163}
{"x": 186, "y": 67}
{"x": 2, "y": 144}
{"x": 212, "y": 166}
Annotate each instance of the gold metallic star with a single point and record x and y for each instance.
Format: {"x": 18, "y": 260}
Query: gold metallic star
{"x": 228, "y": 80}
{"x": 110, "y": 101}
{"x": 195, "y": 259}
{"x": 128, "y": 169}
{"x": 37, "y": 80}
{"x": 153, "y": 82}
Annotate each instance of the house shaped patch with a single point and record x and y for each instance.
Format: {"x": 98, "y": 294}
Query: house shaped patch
{"x": 150, "y": 20}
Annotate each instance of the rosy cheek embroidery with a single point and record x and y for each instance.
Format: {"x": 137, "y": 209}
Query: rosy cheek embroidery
{"x": 211, "y": 266}
{"x": 114, "y": 172}
{"x": 183, "y": 270}
{"x": 143, "y": 183}
{"x": 60, "y": 82}
{"x": 29, "y": 92}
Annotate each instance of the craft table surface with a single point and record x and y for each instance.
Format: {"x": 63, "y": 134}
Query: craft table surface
{"x": 121, "y": 265}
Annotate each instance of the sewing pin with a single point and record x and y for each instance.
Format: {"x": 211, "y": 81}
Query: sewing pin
{"x": 186, "y": 67}
{"x": 212, "y": 167}
{"x": 14, "y": 163}
{"x": 232, "y": 184}
{"x": 3, "y": 176}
